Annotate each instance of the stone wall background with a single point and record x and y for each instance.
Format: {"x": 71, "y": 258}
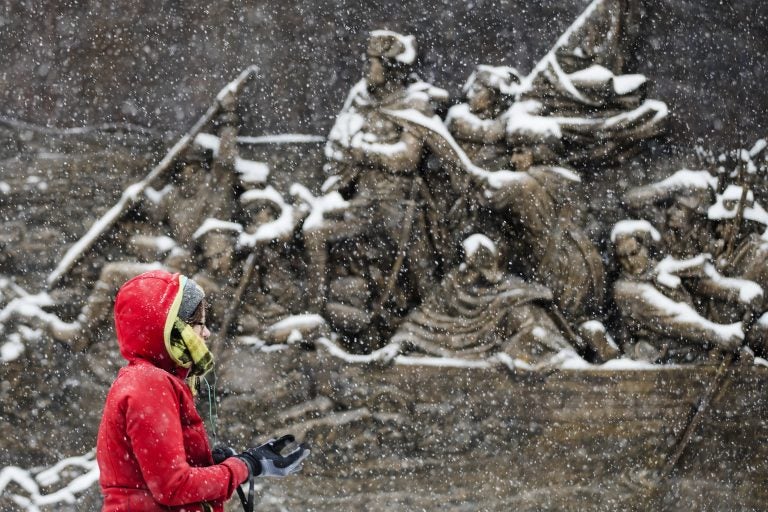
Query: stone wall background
{"x": 157, "y": 64}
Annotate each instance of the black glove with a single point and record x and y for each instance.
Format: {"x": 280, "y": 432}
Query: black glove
{"x": 222, "y": 453}
{"x": 266, "y": 460}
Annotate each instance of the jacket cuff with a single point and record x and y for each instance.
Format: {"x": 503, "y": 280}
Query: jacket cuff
{"x": 239, "y": 471}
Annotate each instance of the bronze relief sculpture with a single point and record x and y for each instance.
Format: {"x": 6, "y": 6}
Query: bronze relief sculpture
{"x": 379, "y": 254}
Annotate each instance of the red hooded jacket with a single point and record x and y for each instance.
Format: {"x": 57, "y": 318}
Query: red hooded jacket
{"x": 152, "y": 449}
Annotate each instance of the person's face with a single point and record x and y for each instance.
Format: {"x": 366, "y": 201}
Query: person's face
{"x": 201, "y": 329}
{"x": 382, "y": 78}
{"x": 633, "y": 256}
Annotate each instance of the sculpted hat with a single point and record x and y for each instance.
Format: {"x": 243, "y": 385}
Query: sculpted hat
{"x": 392, "y": 46}
{"x": 692, "y": 189}
{"x": 639, "y": 229}
{"x": 501, "y": 78}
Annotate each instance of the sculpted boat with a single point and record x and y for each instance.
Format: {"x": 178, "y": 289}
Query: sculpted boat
{"x": 429, "y": 433}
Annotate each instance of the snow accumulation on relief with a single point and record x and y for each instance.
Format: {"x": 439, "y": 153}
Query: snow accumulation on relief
{"x": 85, "y": 471}
{"x": 30, "y": 308}
{"x": 408, "y": 56}
{"x": 657, "y": 106}
{"x": 73, "y": 254}
{"x": 748, "y": 290}
{"x": 473, "y": 242}
{"x": 667, "y": 271}
{"x": 522, "y": 117}
{"x": 156, "y": 196}
{"x": 668, "y": 268}
{"x": 284, "y": 138}
{"x": 249, "y": 170}
{"x": 727, "y": 204}
{"x": 318, "y": 206}
{"x": 495, "y": 179}
{"x": 687, "y": 178}
{"x": 212, "y": 224}
{"x": 629, "y": 226}
{"x": 685, "y": 313}
{"x": 562, "y": 41}
{"x": 278, "y": 228}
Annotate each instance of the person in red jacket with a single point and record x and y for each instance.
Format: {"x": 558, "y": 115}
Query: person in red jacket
{"x": 152, "y": 448}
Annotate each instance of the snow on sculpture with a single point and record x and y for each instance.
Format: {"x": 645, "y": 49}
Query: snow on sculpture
{"x": 479, "y": 309}
{"x": 451, "y": 243}
{"x": 405, "y": 196}
{"x": 534, "y": 210}
{"x": 387, "y": 251}
{"x": 659, "y": 317}
{"x": 707, "y": 292}
{"x": 601, "y": 114}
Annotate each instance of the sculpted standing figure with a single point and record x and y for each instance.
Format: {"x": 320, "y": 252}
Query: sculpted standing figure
{"x": 478, "y": 124}
{"x": 536, "y": 205}
{"x": 555, "y": 250}
{"x": 375, "y": 161}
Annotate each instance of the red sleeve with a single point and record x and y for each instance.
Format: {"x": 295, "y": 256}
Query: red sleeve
{"x": 239, "y": 470}
{"x": 154, "y": 429}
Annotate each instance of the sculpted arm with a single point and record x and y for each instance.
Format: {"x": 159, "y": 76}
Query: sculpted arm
{"x": 645, "y": 305}
{"x": 731, "y": 290}
{"x": 466, "y": 126}
{"x": 402, "y": 156}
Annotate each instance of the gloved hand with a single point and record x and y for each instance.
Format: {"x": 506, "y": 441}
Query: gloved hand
{"x": 266, "y": 460}
{"x": 222, "y": 453}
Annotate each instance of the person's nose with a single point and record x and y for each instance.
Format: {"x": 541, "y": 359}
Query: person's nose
{"x": 206, "y": 332}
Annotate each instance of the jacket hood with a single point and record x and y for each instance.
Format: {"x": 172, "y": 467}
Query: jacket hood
{"x": 145, "y": 309}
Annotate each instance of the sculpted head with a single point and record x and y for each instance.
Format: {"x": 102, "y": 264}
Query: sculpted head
{"x": 490, "y": 89}
{"x": 632, "y": 242}
{"x": 390, "y": 58}
{"x": 482, "y": 256}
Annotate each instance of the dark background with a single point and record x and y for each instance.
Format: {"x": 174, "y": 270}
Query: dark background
{"x": 158, "y": 63}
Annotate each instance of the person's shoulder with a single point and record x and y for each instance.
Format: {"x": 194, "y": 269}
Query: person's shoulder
{"x": 144, "y": 378}
{"x": 140, "y": 386}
